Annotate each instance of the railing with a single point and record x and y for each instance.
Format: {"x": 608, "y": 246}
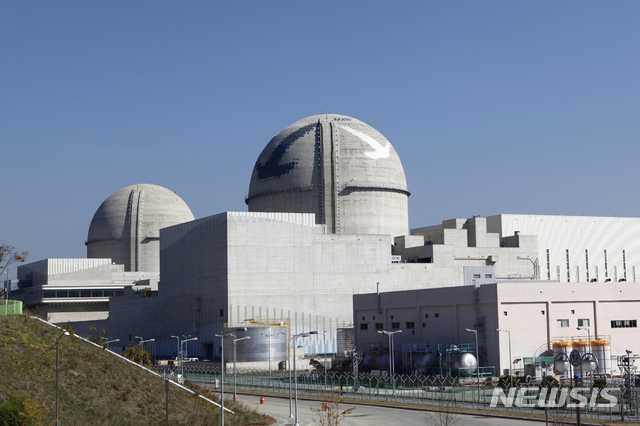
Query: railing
{"x": 517, "y": 397}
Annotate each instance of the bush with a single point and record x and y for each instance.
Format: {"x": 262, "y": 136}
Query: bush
{"x": 600, "y": 383}
{"x": 20, "y": 410}
{"x": 507, "y": 381}
{"x": 549, "y": 382}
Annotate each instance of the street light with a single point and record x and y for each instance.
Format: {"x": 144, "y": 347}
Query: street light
{"x": 390, "y": 334}
{"x": 270, "y": 335}
{"x": 588, "y": 333}
{"x": 474, "y": 331}
{"x": 106, "y": 342}
{"x": 235, "y": 340}
{"x": 145, "y": 341}
{"x": 177, "y": 346}
{"x": 295, "y": 371}
{"x": 66, "y": 333}
{"x": 182, "y": 356}
{"x": 510, "y": 364}
{"x": 221, "y": 335}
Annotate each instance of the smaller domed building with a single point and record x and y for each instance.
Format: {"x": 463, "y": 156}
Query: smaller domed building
{"x": 126, "y": 226}
{"x": 123, "y": 250}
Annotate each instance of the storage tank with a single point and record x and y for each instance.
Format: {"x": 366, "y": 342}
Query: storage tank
{"x": 562, "y": 347}
{"x": 424, "y": 360}
{"x": 581, "y": 346}
{"x": 266, "y": 345}
{"x": 601, "y": 349}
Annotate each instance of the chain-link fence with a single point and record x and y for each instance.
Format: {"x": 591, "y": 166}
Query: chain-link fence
{"x": 559, "y": 400}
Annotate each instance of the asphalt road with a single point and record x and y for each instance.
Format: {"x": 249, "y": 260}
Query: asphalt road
{"x": 364, "y": 415}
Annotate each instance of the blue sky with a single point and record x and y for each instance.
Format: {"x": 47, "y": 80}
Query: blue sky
{"x": 494, "y": 107}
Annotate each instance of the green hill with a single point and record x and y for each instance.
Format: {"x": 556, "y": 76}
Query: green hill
{"x": 96, "y": 387}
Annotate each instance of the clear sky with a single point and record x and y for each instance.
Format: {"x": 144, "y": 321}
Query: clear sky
{"x": 493, "y": 106}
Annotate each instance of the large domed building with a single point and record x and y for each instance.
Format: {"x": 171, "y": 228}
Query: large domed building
{"x": 341, "y": 169}
{"x": 126, "y": 226}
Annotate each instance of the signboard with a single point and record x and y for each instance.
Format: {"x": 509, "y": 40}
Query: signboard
{"x": 575, "y": 358}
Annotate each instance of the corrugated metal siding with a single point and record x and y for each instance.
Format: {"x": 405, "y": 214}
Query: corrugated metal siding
{"x": 577, "y": 234}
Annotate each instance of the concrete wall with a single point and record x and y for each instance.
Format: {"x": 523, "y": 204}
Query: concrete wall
{"x": 530, "y": 311}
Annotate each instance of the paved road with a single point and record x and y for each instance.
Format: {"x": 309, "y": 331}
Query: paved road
{"x": 364, "y": 415}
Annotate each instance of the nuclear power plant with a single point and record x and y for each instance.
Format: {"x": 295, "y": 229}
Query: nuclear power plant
{"x": 325, "y": 246}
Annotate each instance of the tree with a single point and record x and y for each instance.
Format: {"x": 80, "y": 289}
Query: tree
{"x": 9, "y": 255}
{"x": 137, "y": 354}
{"x": 330, "y": 412}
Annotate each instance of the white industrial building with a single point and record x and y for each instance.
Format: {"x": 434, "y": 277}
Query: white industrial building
{"x": 535, "y": 315}
{"x": 327, "y": 220}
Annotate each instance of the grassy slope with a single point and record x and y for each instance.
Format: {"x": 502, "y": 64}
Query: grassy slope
{"x": 96, "y": 388}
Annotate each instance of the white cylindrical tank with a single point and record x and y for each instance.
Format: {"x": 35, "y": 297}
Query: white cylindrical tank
{"x": 601, "y": 349}
{"x": 562, "y": 347}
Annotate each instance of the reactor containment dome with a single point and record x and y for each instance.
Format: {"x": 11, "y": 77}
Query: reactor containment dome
{"x": 341, "y": 169}
{"x": 126, "y": 226}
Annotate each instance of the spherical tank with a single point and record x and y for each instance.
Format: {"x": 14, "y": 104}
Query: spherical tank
{"x": 341, "y": 169}
{"x": 126, "y": 226}
{"x": 465, "y": 362}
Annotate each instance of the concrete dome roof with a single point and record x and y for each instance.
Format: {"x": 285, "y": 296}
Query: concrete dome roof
{"x": 126, "y": 226}
{"x": 316, "y": 162}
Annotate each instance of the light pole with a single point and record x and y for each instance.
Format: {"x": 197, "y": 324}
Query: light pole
{"x": 221, "y": 335}
{"x": 510, "y": 364}
{"x": 390, "y": 334}
{"x": 138, "y": 337}
{"x": 474, "y": 331}
{"x": 588, "y": 334}
{"x": 235, "y": 340}
{"x": 295, "y": 371}
{"x": 177, "y": 346}
{"x": 270, "y": 335}
{"x": 182, "y": 356}
{"x": 145, "y": 341}
{"x": 106, "y": 342}
{"x": 66, "y": 333}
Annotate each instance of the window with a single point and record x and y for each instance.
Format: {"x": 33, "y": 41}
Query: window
{"x": 426, "y": 315}
{"x": 476, "y": 275}
{"x": 437, "y": 315}
{"x": 624, "y": 323}
{"x": 504, "y": 313}
{"x": 391, "y": 316}
{"x": 584, "y": 322}
{"x": 379, "y": 326}
{"x": 221, "y": 313}
{"x": 410, "y": 325}
{"x": 563, "y": 323}
{"x": 362, "y": 318}
{"x": 487, "y": 275}
{"x": 424, "y": 325}
{"x": 542, "y": 312}
{"x": 573, "y": 311}
{"x": 395, "y": 325}
{"x": 364, "y": 326}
